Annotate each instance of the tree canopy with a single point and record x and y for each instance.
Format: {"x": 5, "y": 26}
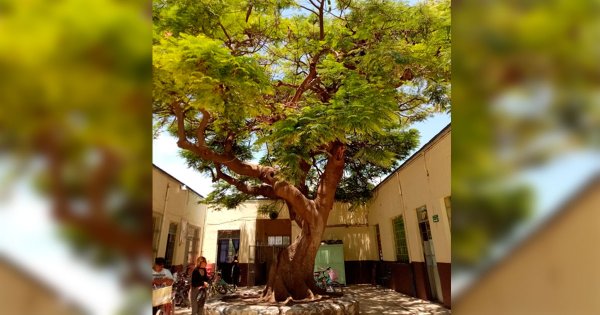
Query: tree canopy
{"x": 249, "y": 86}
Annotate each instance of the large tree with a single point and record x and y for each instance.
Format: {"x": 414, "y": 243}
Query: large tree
{"x": 299, "y": 102}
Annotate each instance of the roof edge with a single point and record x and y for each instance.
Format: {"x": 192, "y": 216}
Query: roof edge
{"x": 426, "y": 146}
{"x": 174, "y": 178}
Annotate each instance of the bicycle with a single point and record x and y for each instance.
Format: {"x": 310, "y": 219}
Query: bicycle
{"x": 324, "y": 281}
{"x": 201, "y": 297}
{"x": 218, "y": 285}
{"x": 181, "y": 287}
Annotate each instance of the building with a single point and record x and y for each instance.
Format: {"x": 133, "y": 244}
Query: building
{"x": 553, "y": 271}
{"x": 400, "y": 239}
{"x": 24, "y": 294}
{"x": 178, "y": 219}
{"x": 411, "y": 214}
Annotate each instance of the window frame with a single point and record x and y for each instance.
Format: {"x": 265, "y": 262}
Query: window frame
{"x": 400, "y": 240}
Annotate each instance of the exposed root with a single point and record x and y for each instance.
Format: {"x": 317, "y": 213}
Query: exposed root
{"x": 268, "y": 296}
{"x": 289, "y": 301}
{"x": 310, "y": 294}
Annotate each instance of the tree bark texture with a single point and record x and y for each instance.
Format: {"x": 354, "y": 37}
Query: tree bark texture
{"x": 291, "y": 276}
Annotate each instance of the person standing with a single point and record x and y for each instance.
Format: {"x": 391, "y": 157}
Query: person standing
{"x": 235, "y": 273}
{"x": 199, "y": 287}
{"x": 161, "y": 277}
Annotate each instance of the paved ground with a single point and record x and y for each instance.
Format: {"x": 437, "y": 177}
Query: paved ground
{"x": 374, "y": 300}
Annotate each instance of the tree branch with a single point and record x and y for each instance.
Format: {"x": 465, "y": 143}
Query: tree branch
{"x": 314, "y": 4}
{"x": 294, "y": 197}
{"x": 311, "y": 75}
{"x": 229, "y": 41}
{"x": 293, "y": 216}
{"x": 311, "y": 10}
{"x": 331, "y": 177}
{"x": 229, "y": 142}
{"x": 182, "y": 141}
{"x": 200, "y": 132}
{"x": 261, "y": 190}
{"x": 305, "y": 167}
{"x": 263, "y": 173}
{"x": 321, "y": 21}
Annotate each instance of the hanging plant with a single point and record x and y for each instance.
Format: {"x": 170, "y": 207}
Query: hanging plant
{"x": 271, "y": 209}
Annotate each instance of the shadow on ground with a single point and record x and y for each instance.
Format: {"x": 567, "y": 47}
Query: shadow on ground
{"x": 372, "y": 300}
{"x": 377, "y": 300}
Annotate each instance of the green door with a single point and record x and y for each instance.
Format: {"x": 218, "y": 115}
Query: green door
{"x": 332, "y": 256}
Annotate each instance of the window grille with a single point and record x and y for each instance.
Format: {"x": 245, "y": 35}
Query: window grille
{"x": 400, "y": 239}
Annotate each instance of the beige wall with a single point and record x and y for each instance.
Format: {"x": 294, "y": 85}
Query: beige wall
{"x": 351, "y": 226}
{"x": 424, "y": 180}
{"x": 554, "y": 272}
{"x": 242, "y": 218}
{"x": 22, "y": 294}
{"x": 360, "y": 243}
{"x": 359, "y": 239}
{"x": 181, "y": 207}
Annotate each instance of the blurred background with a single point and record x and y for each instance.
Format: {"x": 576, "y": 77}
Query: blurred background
{"x": 75, "y": 156}
{"x": 525, "y": 157}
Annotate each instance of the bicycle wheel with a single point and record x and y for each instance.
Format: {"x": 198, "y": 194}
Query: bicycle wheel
{"x": 221, "y": 288}
{"x": 336, "y": 285}
{"x": 179, "y": 300}
{"x": 330, "y": 288}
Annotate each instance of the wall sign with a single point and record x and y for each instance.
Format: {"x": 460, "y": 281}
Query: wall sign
{"x": 436, "y": 218}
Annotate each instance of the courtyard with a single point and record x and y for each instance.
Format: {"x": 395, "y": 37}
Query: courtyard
{"x": 372, "y": 300}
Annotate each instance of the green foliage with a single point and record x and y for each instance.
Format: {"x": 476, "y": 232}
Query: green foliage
{"x": 271, "y": 207}
{"x": 380, "y": 66}
{"x": 225, "y": 195}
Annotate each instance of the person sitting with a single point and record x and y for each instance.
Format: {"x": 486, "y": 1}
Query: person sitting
{"x": 162, "y": 277}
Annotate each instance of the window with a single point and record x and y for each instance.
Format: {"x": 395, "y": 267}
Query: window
{"x": 278, "y": 240}
{"x": 448, "y": 203}
{"x": 400, "y": 238}
{"x": 192, "y": 243}
{"x": 424, "y": 227}
{"x": 228, "y": 245}
{"x": 171, "y": 239}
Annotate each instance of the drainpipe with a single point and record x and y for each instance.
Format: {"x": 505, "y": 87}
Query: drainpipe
{"x": 203, "y": 232}
{"x": 162, "y": 221}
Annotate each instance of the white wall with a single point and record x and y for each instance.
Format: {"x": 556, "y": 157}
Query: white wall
{"x": 242, "y": 218}
{"x": 175, "y": 205}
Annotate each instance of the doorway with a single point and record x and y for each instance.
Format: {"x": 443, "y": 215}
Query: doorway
{"x": 228, "y": 246}
{"x": 435, "y": 288}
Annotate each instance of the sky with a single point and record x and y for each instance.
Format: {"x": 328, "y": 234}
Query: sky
{"x": 165, "y": 154}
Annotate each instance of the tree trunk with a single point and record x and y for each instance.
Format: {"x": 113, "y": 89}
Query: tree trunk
{"x": 291, "y": 276}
